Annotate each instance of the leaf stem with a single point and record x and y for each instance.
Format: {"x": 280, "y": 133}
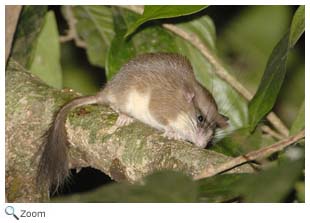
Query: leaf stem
{"x": 271, "y": 132}
{"x": 71, "y": 32}
{"x": 254, "y": 155}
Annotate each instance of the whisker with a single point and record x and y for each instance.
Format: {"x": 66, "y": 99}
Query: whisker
{"x": 221, "y": 133}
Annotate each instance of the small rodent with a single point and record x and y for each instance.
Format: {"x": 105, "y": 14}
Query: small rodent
{"x": 158, "y": 89}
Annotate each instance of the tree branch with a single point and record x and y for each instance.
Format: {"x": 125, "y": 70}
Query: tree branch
{"x": 129, "y": 154}
{"x": 254, "y": 155}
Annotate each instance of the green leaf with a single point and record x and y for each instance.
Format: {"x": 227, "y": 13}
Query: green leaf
{"x": 270, "y": 84}
{"x": 246, "y": 50}
{"x": 152, "y": 12}
{"x": 204, "y": 28}
{"x": 298, "y": 25}
{"x": 121, "y": 50}
{"x": 153, "y": 39}
{"x": 166, "y": 186}
{"x": 30, "y": 24}
{"x": 46, "y": 61}
{"x": 299, "y": 122}
{"x": 219, "y": 188}
{"x": 95, "y": 26}
{"x": 272, "y": 185}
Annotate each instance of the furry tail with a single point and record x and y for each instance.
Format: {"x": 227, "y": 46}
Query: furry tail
{"x": 53, "y": 165}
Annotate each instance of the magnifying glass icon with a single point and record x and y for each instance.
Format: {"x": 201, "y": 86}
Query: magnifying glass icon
{"x": 9, "y": 210}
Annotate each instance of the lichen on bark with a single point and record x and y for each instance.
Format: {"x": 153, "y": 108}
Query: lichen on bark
{"x": 128, "y": 154}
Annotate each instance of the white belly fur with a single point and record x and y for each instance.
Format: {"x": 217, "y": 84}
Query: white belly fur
{"x": 138, "y": 107}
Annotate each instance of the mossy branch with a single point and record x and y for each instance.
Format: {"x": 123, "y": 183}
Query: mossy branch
{"x": 128, "y": 154}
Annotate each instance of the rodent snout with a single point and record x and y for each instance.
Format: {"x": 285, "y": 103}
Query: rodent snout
{"x": 202, "y": 143}
{"x": 203, "y": 137}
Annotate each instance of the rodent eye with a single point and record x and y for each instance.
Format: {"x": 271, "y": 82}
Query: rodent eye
{"x": 200, "y": 118}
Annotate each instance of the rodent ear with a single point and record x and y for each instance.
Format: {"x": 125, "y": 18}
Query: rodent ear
{"x": 188, "y": 94}
{"x": 222, "y": 121}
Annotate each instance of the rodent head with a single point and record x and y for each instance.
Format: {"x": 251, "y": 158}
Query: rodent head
{"x": 201, "y": 118}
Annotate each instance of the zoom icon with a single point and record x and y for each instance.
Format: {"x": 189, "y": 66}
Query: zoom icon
{"x": 9, "y": 210}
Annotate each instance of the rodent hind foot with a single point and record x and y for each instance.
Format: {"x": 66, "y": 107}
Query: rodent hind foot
{"x": 122, "y": 120}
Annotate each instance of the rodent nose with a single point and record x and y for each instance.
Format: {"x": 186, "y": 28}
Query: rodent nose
{"x": 202, "y": 143}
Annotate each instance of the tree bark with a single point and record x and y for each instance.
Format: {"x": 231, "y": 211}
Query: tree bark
{"x": 128, "y": 154}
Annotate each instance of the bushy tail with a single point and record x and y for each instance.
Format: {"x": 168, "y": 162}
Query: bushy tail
{"x": 53, "y": 165}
